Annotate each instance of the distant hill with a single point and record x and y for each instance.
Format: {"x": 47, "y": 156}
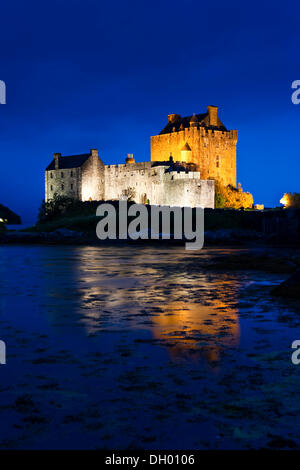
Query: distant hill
{"x": 10, "y": 216}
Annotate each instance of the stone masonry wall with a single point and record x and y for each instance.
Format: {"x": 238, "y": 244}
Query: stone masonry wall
{"x": 156, "y": 186}
{"x": 214, "y": 151}
{"x": 63, "y": 182}
{"x": 92, "y": 179}
{"x": 142, "y": 182}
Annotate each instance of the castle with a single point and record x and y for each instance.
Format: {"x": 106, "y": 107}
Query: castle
{"x": 186, "y": 157}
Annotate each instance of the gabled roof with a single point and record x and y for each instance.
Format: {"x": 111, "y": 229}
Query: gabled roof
{"x": 71, "y": 161}
{"x": 184, "y": 123}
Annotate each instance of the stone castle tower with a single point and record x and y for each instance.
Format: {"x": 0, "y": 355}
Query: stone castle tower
{"x": 201, "y": 139}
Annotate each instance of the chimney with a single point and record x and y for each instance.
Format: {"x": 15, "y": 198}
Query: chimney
{"x": 94, "y": 152}
{"x": 173, "y": 117}
{"x": 212, "y": 115}
{"x": 56, "y": 157}
{"x": 129, "y": 158}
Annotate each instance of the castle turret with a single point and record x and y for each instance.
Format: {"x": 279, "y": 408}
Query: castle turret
{"x": 186, "y": 153}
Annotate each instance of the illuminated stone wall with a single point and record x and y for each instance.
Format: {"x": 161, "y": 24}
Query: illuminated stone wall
{"x": 214, "y": 151}
{"x": 142, "y": 182}
{"x": 84, "y": 183}
{"x": 66, "y": 182}
{"x": 154, "y": 184}
{"x": 92, "y": 178}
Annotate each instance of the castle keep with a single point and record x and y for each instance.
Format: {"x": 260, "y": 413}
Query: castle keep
{"x": 202, "y": 139}
{"x": 186, "y": 157}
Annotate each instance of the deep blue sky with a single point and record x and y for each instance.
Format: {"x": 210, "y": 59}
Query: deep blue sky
{"x": 105, "y": 75}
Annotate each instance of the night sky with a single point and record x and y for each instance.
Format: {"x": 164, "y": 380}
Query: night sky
{"x": 105, "y": 75}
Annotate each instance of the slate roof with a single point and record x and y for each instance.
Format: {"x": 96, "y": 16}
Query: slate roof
{"x": 184, "y": 122}
{"x": 71, "y": 161}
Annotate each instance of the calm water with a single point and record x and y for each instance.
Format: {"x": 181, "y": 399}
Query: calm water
{"x": 145, "y": 348}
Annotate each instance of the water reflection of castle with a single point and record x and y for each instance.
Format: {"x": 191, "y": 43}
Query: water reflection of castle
{"x": 192, "y": 314}
{"x": 197, "y": 331}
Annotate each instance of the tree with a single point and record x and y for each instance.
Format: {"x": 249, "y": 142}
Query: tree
{"x": 54, "y": 207}
{"x": 231, "y": 197}
{"x": 290, "y": 200}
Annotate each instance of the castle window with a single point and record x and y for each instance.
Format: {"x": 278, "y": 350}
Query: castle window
{"x": 62, "y": 174}
{"x": 51, "y": 175}
{"x": 51, "y": 188}
{"x": 71, "y": 173}
{"x": 218, "y": 161}
{"x": 71, "y": 186}
{"x": 62, "y": 187}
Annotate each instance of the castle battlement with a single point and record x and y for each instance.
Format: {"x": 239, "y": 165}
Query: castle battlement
{"x": 184, "y": 174}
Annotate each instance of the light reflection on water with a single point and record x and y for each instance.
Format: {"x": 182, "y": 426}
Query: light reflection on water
{"x": 202, "y": 354}
{"x": 187, "y": 312}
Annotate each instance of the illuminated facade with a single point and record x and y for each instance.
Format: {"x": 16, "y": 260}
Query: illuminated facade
{"x": 169, "y": 183}
{"x": 201, "y": 139}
